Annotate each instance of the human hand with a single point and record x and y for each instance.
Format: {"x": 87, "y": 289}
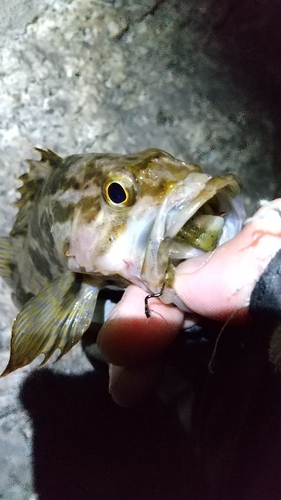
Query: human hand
{"x": 216, "y": 285}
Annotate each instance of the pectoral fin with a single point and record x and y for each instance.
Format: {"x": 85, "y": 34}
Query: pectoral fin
{"x": 55, "y": 318}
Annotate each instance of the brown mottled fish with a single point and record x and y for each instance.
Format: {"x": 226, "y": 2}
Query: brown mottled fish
{"x": 93, "y": 221}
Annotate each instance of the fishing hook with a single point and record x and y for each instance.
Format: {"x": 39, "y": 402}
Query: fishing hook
{"x": 151, "y": 296}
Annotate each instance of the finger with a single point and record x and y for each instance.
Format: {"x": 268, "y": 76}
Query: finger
{"x": 217, "y": 284}
{"x": 128, "y": 337}
{"x": 130, "y": 386}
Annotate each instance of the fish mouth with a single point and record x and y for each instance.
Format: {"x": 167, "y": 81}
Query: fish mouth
{"x": 199, "y": 214}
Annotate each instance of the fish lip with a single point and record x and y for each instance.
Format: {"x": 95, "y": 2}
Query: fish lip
{"x": 178, "y": 207}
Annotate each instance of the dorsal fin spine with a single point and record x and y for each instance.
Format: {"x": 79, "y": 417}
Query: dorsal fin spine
{"x": 39, "y": 172}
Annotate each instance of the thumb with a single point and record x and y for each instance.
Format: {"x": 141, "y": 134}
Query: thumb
{"x": 217, "y": 284}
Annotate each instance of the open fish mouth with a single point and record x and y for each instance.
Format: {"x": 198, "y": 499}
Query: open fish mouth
{"x": 199, "y": 214}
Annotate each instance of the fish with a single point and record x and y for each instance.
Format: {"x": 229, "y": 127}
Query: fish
{"x": 93, "y": 221}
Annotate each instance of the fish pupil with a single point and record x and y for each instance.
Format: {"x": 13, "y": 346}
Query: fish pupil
{"x": 116, "y": 193}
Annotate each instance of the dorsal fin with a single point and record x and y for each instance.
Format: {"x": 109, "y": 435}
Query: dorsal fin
{"x": 39, "y": 172}
{"x": 7, "y": 259}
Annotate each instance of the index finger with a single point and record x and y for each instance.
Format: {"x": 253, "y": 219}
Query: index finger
{"x": 129, "y": 338}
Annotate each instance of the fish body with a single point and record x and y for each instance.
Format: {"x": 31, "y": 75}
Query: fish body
{"x": 92, "y": 221}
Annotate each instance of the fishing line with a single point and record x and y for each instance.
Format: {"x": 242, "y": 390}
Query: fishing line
{"x": 210, "y": 365}
{"x": 159, "y": 315}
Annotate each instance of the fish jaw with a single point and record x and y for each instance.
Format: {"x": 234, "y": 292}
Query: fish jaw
{"x": 164, "y": 251}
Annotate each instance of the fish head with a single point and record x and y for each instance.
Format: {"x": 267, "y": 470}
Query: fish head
{"x": 136, "y": 215}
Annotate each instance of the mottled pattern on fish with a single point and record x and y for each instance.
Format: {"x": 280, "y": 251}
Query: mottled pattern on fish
{"x": 95, "y": 220}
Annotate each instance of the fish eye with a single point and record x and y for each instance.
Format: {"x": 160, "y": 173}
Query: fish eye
{"x": 118, "y": 191}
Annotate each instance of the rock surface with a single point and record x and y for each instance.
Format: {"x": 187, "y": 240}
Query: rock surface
{"x": 118, "y": 76}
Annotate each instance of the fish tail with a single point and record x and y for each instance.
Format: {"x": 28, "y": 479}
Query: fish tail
{"x": 7, "y": 259}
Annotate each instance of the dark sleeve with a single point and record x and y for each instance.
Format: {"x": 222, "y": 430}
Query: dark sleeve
{"x": 266, "y": 296}
{"x": 265, "y": 304}
{"x": 236, "y": 406}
